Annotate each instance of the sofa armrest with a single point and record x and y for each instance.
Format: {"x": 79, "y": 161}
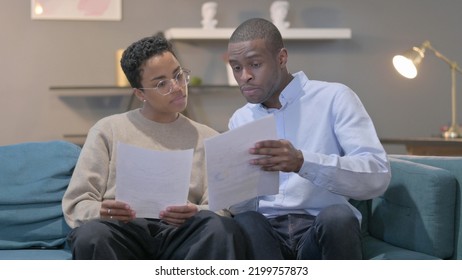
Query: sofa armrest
{"x": 452, "y": 164}
{"x": 417, "y": 211}
{"x": 33, "y": 179}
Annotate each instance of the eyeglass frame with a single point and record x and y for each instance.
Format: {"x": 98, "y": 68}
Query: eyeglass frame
{"x": 187, "y": 79}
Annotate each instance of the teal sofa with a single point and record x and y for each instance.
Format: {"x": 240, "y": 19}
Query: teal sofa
{"x": 33, "y": 178}
{"x": 419, "y": 216}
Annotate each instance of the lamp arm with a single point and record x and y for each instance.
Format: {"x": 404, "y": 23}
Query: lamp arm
{"x": 453, "y": 97}
{"x": 454, "y": 130}
{"x": 452, "y": 64}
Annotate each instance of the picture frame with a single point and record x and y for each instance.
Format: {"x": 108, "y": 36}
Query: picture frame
{"x": 105, "y": 10}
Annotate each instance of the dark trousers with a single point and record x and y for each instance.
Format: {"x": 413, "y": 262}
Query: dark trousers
{"x": 334, "y": 234}
{"x": 204, "y": 236}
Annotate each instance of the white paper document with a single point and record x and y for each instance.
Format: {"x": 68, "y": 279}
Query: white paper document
{"x": 150, "y": 180}
{"x": 231, "y": 178}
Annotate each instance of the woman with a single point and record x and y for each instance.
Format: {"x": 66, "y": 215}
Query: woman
{"x": 104, "y": 228}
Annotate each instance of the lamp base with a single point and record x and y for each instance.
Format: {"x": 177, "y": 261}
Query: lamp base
{"x": 453, "y": 132}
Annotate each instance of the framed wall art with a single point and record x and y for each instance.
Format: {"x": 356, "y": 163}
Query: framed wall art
{"x": 76, "y": 10}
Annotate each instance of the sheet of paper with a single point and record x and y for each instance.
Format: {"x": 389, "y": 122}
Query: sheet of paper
{"x": 150, "y": 180}
{"x": 231, "y": 178}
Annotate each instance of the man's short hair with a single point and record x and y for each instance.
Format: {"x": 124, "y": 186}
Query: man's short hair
{"x": 258, "y": 28}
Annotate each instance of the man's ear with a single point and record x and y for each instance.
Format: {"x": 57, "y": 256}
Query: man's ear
{"x": 282, "y": 57}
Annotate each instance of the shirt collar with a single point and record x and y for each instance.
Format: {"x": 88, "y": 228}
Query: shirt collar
{"x": 291, "y": 92}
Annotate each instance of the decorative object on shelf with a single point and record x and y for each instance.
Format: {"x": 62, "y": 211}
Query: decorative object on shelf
{"x": 121, "y": 79}
{"x": 76, "y": 9}
{"x": 195, "y": 81}
{"x": 278, "y": 13}
{"x": 407, "y": 65}
{"x": 209, "y": 10}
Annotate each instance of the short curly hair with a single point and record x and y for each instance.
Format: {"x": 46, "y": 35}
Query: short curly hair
{"x": 136, "y": 55}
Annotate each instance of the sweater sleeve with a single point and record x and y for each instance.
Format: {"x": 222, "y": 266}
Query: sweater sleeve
{"x": 82, "y": 200}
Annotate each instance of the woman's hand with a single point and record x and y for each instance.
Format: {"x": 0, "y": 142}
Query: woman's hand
{"x": 116, "y": 210}
{"x": 177, "y": 215}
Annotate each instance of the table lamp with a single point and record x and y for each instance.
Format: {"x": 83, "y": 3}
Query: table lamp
{"x": 407, "y": 64}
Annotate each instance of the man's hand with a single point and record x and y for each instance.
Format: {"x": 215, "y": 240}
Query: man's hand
{"x": 116, "y": 210}
{"x": 278, "y": 155}
{"x": 177, "y": 215}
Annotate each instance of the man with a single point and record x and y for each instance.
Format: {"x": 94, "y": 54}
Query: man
{"x": 328, "y": 152}
{"x": 105, "y": 228}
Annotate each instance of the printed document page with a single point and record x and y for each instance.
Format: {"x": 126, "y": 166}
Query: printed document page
{"x": 150, "y": 180}
{"x": 231, "y": 178}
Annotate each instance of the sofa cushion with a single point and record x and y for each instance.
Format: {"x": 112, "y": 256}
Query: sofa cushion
{"x": 379, "y": 250}
{"x": 417, "y": 210}
{"x": 36, "y": 254}
{"x": 33, "y": 178}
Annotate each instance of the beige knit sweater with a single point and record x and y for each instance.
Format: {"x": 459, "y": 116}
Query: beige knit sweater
{"x": 94, "y": 176}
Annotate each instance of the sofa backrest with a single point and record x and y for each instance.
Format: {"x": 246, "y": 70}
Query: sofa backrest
{"x": 33, "y": 178}
{"x": 454, "y": 166}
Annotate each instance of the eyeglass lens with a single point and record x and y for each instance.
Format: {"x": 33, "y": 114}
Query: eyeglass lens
{"x": 166, "y": 86}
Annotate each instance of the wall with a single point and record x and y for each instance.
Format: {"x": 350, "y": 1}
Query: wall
{"x": 37, "y": 54}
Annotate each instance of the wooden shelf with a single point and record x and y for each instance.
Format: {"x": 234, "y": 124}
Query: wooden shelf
{"x": 287, "y": 34}
{"x": 102, "y": 92}
{"x": 78, "y": 139}
{"x": 88, "y": 91}
{"x": 428, "y": 146}
{"x": 91, "y": 90}
{"x": 208, "y": 104}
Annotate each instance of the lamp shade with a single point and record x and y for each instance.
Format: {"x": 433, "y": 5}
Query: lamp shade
{"x": 408, "y": 63}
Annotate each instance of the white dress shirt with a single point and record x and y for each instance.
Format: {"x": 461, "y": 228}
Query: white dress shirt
{"x": 343, "y": 157}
